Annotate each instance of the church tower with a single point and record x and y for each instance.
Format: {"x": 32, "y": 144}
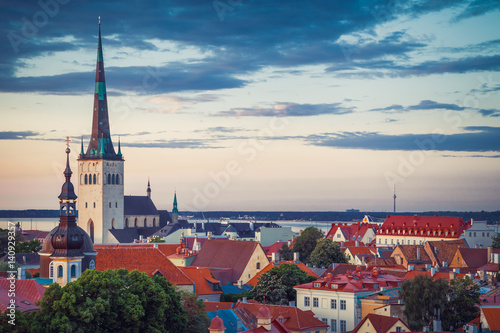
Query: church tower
{"x": 175, "y": 212}
{"x": 100, "y": 170}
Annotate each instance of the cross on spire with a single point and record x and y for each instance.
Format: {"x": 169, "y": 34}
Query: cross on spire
{"x": 67, "y": 141}
{"x": 99, "y": 20}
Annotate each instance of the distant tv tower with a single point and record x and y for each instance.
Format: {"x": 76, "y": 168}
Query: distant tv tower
{"x": 395, "y": 198}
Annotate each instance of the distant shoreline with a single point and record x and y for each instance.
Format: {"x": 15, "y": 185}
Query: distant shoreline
{"x": 491, "y": 217}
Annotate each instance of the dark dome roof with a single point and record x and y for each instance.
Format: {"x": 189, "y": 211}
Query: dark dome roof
{"x": 217, "y": 324}
{"x": 86, "y": 246}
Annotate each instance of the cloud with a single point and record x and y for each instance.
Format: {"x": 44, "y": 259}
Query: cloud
{"x": 423, "y": 105}
{"x": 474, "y": 139}
{"x": 178, "y": 144}
{"x": 288, "y": 110}
{"x": 490, "y": 112}
{"x": 21, "y": 135}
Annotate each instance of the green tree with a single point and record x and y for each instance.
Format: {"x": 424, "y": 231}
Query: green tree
{"x": 196, "y": 316}
{"x": 111, "y": 301}
{"x": 464, "y": 301}
{"x": 327, "y": 252}
{"x": 33, "y": 245}
{"x": 276, "y": 285}
{"x": 285, "y": 252}
{"x": 157, "y": 240}
{"x": 496, "y": 241}
{"x": 421, "y": 297}
{"x": 232, "y": 297}
{"x": 306, "y": 243}
{"x": 21, "y": 322}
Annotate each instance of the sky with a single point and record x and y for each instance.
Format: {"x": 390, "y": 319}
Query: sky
{"x": 259, "y": 105}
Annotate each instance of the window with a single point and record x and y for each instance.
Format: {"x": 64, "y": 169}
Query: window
{"x": 325, "y": 320}
{"x": 109, "y": 179}
{"x": 126, "y": 223}
{"x": 315, "y": 302}
{"x": 86, "y": 205}
{"x": 86, "y": 179}
{"x": 307, "y": 301}
{"x": 94, "y": 179}
{"x": 338, "y": 235}
{"x": 116, "y": 204}
{"x": 117, "y": 179}
{"x": 92, "y": 264}
{"x": 73, "y": 271}
{"x": 342, "y": 305}
{"x": 110, "y": 204}
{"x": 483, "y": 234}
{"x": 94, "y": 204}
{"x": 112, "y": 179}
{"x": 474, "y": 234}
{"x": 333, "y": 304}
{"x": 59, "y": 271}
{"x": 154, "y": 225}
{"x": 51, "y": 269}
{"x": 333, "y": 325}
{"x": 398, "y": 329}
{"x": 135, "y": 222}
{"x": 343, "y": 326}
{"x": 257, "y": 266}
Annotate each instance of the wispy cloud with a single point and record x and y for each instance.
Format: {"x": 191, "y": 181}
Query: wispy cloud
{"x": 21, "y": 135}
{"x": 288, "y": 110}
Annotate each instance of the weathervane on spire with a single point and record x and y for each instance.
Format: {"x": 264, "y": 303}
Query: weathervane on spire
{"x": 99, "y": 20}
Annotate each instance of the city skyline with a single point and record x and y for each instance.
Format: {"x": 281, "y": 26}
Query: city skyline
{"x": 251, "y": 105}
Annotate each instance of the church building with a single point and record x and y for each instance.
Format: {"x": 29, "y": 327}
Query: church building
{"x": 104, "y": 212}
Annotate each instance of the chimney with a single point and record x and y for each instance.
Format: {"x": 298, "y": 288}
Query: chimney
{"x": 453, "y": 275}
{"x": 296, "y": 257}
{"x": 418, "y": 253}
{"x": 357, "y": 243}
{"x": 490, "y": 257}
{"x": 244, "y": 299}
{"x": 276, "y": 258}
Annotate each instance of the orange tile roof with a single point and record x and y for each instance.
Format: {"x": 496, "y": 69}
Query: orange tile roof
{"x": 492, "y": 316}
{"x": 444, "y": 226}
{"x": 357, "y": 250}
{"x": 293, "y": 318}
{"x": 410, "y": 275}
{"x": 214, "y": 306}
{"x": 253, "y": 281}
{"x": 27, "y": 293}
{"x": 443, "y": 250}
{"x": 273, "y": 248}
{"x": 410, "y": 253}
{"x": 381, "y": 324}
{"x": 145, "y": 259}
{"x": 226, "y": 254}
{"x": 200, "y": 276}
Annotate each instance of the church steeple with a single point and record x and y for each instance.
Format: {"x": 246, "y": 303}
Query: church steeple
{"x": 100, "y": 145}
{"x": 175, "y": 212}
{"x": 148, "y": 191}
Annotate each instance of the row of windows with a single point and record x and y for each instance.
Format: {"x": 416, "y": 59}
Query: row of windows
{"x": 128, "y": 224}
{"x": 402, "y": 242}
{"x": 333, "y": 303}
{"x": 333, "y": 325}
{"x": 60, "y": 269}
{"x": 110, "y": 204}
{"x": 470, "y": 234}
{"x": 92, "y": 179}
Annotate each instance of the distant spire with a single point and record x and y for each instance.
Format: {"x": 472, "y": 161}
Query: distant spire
{"x": 81, "y": 150}
{"x": 395, "y": 198}
{"x": 148, "y": 191}
{"x": 67, "y": 191}
{"x": 119, "y": 148}
{"x": 100, "y": 139}
{"x": 174, "y": 209}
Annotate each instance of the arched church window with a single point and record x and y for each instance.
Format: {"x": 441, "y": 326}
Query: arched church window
{"x": 86, "y": 205}
{"x": 91, "y": 229}
{"x": 92, "y": 264}
{"x": 109, "y": 179}
{"x": 94, "y": 204}
{"x": 51, "y": 269}
{"x": 112, "y": 222}
{"x": 154, "y": 221}
{"x": 145, "y": 222}
{"x": 116, "y": 204}
{"x": 86, "y": 179}
{"x": 117, "y": 180}
{"x": 126, "y": 223}
{"x": 113, "y": 179}
{"x": 73, "y": 271}
{"x": 94, "y": 179}
{"x": 98, "y": 178}
{"x": 135, "y": 222}
{"x": 110, "y": 204}
{"x": 59, "y": 271}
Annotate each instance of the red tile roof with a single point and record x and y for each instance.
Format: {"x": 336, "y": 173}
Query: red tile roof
{"x": 201, "y": 278}
{"x": 355, "y": 281}
{"x": 380, "y": 324}
{"x": 425, "y": 226}
{"x": 293, "y": 318}
{"x": 410, "y": 275}
{"x": 474, "y": 258}
{"x": 226, "y": 254}
{"x": 274, "y": 248}
{"x": 214, "y": 306}
{"x": 145, "y": 259}
{"x": 27, "y": 293}
{"x": 351, "y": 232}
{"x": 411, "y": 254}
{"x": 357, "y": 250}
{"x": 276, "y": 327}
{"x": 492, "y": 316}
{"x": 253, "y": 281}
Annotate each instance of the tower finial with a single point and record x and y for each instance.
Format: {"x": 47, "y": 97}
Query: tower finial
{"x": 99, "y": 20}
{"x": 395, "y": 198}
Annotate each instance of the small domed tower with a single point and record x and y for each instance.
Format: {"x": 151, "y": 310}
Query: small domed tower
{"x": 264, "y": 317}
{"x": 217, "y": 325}
{"x": 67, "y": 250}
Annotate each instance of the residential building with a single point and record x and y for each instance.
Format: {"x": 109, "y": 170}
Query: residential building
{"x": 384, "y": 303}
{"x": 374, "y": 323}
{"x": 417, "y": 230}
{"x": 411, "y": 256}
{"x": 358, "y": 255}
{"x": 361, "y": 231}
{"x": 441, "y": 252}
{"x": 205, "y": 286}
{"x": 27, "y": 293}
{"x": 478, "y": 235}
{"x": 231, "y": 261}
{"x": 335, "y": 299}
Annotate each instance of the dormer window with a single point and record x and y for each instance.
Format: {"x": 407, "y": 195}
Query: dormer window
{"x": 317, "y": 285}
{"x": 334, "y": 286}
